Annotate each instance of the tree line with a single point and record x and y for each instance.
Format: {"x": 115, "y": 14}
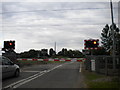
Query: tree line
{"x": 44, "y": 53}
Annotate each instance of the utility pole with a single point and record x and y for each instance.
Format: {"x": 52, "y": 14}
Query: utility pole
{"x": 113, "y": 35}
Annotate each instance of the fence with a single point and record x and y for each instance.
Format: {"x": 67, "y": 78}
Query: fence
{"x": 103, "y": 64}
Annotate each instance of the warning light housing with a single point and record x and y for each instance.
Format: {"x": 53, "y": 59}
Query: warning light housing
{"x": 91, "y": 44}
{"x": 9, "y": 44}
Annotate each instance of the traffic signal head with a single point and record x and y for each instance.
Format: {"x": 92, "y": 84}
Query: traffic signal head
{"x": 9, "y": 44}
{"x": 12, "y": 44}
{"x": 91, "y": 44}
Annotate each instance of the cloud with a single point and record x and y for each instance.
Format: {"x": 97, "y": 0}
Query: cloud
{"x": 57, "y": 0}
{"x": 39, "y": 25}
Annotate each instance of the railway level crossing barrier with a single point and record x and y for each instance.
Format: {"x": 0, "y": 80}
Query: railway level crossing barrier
{"x": 56, "y": 59}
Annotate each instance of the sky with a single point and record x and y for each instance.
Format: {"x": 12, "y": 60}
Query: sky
{"x": 38, "y": 25}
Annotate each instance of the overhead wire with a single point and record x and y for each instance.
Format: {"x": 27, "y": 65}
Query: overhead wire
{"x": 3, "y": 12}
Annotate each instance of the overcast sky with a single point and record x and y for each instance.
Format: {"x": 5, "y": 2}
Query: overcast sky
{"x": 37, "y": 25}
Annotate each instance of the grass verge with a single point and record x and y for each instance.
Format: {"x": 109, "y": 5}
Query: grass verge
{"x": 94, "y": 80}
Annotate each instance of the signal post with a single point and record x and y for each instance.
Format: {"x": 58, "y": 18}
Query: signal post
{"x": 90, "y": 45}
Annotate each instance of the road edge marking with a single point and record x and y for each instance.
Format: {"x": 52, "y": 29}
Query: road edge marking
{"x": 80, "y": 70}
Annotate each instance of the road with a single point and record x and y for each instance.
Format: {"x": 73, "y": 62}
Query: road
{"x": 53, "y": 75}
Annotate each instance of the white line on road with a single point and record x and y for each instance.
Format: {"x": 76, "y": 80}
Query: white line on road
{"x": 23, "y": 81}
{"x": 15, "y": 83}
{"x": 28, "y": 80}
{"x": 29, "y": 71}
{"x": 80, "y": 70}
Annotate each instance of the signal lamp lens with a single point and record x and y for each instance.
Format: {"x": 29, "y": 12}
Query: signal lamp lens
{"x": 10, "y": 43}
{"x": 95, "y": 42}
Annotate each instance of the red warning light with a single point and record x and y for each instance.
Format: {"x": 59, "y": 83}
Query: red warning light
{"x": 10, "y": 43}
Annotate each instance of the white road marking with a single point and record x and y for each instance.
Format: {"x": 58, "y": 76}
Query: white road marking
{"x": 15, "y": 83}
{"x": 29, "y": 71}
{"x": 28, "y": 80}
{"x": 80, "y": 70}
{"x": 23, "y": 81}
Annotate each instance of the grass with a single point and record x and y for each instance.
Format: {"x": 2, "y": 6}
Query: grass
{"x": 92, "y": 77}
{"x": 103, "y": 84}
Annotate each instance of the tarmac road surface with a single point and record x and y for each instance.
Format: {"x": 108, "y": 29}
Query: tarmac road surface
{"x": 53, "y": 75}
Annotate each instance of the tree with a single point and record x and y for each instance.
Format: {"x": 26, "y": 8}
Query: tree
{"x": 31, "y": 54}
{"x": 77, "y": 54}
{"x": 51, "y": 52}
{"x": 70, "y": 53}
{"x": 107, "y": 37}
{"x": 63, "y": 52}
{"x": 59, "y": 53}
